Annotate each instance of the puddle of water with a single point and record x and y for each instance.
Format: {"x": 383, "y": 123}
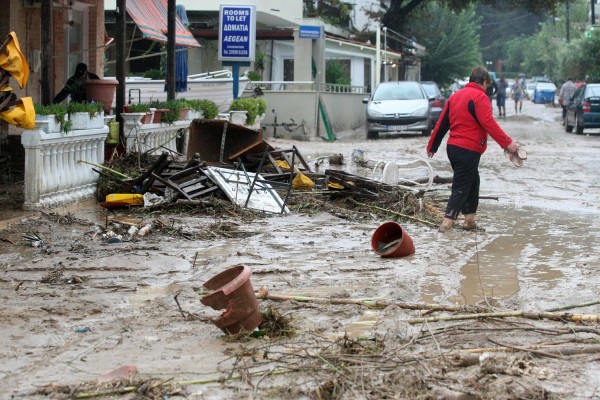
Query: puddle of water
{"x": 363, "y": 327}
{"x": 146, "y": 294}
{"x": 538, "y": 254}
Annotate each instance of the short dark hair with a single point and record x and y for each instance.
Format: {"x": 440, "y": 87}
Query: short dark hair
{"x": 80, "y": 69}
{"x": 480, "y": 75}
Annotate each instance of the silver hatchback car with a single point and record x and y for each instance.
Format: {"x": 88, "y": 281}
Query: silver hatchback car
{"x": 398, "y": 107}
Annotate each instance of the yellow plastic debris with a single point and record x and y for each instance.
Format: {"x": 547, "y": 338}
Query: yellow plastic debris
{"x": 333, "y": 185}
{"x": 126, "y": 198}
{"x": 302, "y": 182}
{"x": 282, "y": 164}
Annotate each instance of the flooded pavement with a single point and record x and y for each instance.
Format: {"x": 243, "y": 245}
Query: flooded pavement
{"x": 538, "y": 252}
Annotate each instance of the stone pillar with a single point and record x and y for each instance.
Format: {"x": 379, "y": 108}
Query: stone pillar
{"x": 305, "y": 51}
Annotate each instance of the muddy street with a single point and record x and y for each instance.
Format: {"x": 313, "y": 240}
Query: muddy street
{"x": 538, "y": 252}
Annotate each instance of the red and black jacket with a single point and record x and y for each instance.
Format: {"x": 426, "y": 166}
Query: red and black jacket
{"x": 468, "y": 116}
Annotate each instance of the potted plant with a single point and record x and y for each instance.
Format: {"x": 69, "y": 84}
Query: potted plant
{"x": 158, "y": 107}
{"x": 80, "y": 114}
{"x": 96, "y": 111}
{"x": 250, "y": 106}
{"x": 171, "y": 109}
{"x": 208, "y": 108}
{"x": 142, "y": 108}
{"x": 52, "y": 118}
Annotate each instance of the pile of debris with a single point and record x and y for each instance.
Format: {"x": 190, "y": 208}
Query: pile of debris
{"x": 232, "y": 162}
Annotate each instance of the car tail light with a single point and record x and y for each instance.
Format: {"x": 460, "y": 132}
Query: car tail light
{"x": 586, "y": 106}
{"x": 437, "y": 103}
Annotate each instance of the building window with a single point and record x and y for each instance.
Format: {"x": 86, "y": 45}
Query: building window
{"x": 288, "y": 69}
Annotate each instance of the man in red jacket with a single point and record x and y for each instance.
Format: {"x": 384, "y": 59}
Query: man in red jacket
{"x": 468, "y": 116}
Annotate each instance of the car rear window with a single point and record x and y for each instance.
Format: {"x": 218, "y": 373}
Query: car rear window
{"x": 431, "y": 89}
{"x": 398, "y": 92}
{"x": 592, "y": 91}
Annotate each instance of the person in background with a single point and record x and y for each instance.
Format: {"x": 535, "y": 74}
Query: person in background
{"x": 491, "y": 90}
{"x": 468, "y": 116}
{"x": 567, "y": 90}
{"x": 501, "y": 96}
{"x": 518, "y": 92}
{"x": 75, "y": 85}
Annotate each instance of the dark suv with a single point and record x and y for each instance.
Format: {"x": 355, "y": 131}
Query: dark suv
{"x": 437, "y": 105}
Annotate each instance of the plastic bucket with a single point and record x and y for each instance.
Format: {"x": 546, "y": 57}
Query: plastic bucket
{"x": 391, "y": 240}
{"x": 233, "y": 292}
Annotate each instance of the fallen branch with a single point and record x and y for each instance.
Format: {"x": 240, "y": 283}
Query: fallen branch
{"x": 591, "y": 303}
{"x": 394, "y": 212}
{"x": 505, "y": 314}
{"x": 130, "y": 389}
{"x": 263, "y": 294}
{"x": 104, "y": 168}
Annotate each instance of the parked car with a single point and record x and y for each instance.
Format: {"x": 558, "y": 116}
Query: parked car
{"x": 458, "y": 84}
{"x": 530, "y": 90}
{"x": 433, "y": 90}
{"x": 583, "y": 111}
{"x": 544, "y": 92}
{"x": 398, "y": 107}
{"x": 538, "y": 79}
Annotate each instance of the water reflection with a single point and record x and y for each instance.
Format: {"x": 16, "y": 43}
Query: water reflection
{"x": 541, "y": 253}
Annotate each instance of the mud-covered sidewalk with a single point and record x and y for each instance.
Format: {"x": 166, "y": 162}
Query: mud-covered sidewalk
{"x": 517, "y": 304}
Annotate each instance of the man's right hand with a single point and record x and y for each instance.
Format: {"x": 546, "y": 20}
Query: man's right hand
{"x": 512, "y": 148}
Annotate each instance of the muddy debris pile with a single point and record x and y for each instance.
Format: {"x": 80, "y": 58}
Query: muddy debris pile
{"x": 255, "y": 178}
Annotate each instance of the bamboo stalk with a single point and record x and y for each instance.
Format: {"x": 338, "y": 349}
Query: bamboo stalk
{"x": 591, "y": 303}
{"x": 104, "y": 168}
{"x": 517, "y": 313}
{"x": 129, "y": 389}
{"x": 263, "y": 294}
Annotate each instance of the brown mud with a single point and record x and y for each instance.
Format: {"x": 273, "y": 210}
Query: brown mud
{"x": 538, "y": 252}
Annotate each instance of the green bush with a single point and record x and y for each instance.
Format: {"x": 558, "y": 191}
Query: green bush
{"x": 59, "y": 111}
{"x": 208, "y": 107}
{"x": 154, "y": 73}
{"x": 141, "y": 107}
{"x": 91, "y": 108}
{"x": 253, "y": 106}
{"x": 254, "y": 76}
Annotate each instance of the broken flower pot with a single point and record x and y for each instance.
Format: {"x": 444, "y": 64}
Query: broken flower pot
{"x": 232, "y": 291}
{"x": 391, "y": 240}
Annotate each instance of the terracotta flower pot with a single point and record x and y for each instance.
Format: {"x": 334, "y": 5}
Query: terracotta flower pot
{"x": 233, "y": 292}
{"x": 391, "y": 240}
{"x": 102, "y": 90}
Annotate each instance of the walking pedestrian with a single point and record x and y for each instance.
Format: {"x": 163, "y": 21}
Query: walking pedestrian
{"x": 518, "y": 92}
{"x": 502, "y": 85}
{"x": 467, "y": 114}
{"x": 567, "y": 90}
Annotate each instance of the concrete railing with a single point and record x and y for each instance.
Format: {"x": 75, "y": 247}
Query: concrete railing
{"x": 154, "y": 138}
{"x": 54, "y": 176}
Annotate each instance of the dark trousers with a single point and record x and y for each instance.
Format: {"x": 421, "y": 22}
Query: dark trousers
{"x": 465, "y": 182}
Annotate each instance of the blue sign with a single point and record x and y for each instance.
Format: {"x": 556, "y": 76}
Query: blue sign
{"x": 237, "y": 33}
{"x": 310, "y": 32}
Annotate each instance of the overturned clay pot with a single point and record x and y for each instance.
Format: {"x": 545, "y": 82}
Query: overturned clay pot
{"x": 232, "y": 291}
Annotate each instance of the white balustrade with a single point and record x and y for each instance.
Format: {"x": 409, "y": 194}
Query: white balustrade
{"x": 153, "y": 138}
{"x": 53, "y": 175}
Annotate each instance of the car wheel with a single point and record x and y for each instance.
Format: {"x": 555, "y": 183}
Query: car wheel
{"x": 568, "y": 128}
{"x": 372, "y": 135}
{"x": 578, "y": 127}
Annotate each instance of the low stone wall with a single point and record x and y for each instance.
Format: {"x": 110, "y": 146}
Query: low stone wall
{"x": 53, "y": 174}
{"x": 298, "y": 114}
{"x": 154, "y": 138}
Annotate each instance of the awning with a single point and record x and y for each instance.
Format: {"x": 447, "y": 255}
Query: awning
{"x": 151, "y": 17}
